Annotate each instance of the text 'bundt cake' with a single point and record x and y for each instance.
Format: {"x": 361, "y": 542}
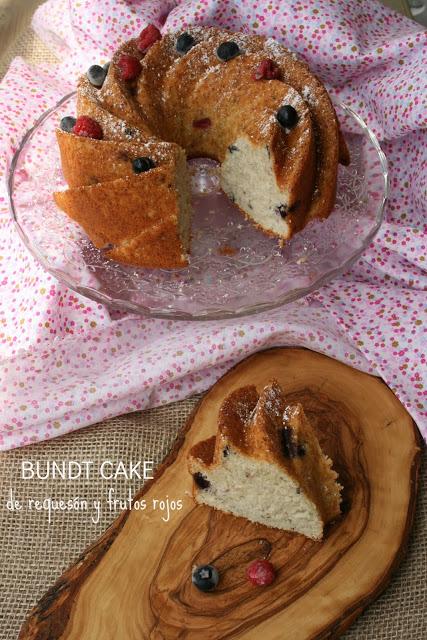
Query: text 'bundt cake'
{"x": 241, "y": 99}
{"x": 265, "y": 464}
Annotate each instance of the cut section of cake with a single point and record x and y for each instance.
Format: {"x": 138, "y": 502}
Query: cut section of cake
{"x": 265, "y": 464}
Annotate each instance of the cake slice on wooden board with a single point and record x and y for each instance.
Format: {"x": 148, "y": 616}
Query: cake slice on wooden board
{"x": 265, "y": 464}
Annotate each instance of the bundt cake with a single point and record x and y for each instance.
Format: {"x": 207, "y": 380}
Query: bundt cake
{"x": 265, "y": 464}
{"x": 241, "y": 99}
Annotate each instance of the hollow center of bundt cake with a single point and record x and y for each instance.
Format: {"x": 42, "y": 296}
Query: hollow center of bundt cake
{"x": 261, "y": 492}
{"x": 248, "y": 178}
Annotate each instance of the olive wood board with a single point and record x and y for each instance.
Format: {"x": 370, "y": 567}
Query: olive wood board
{"x": 135, "y": 582}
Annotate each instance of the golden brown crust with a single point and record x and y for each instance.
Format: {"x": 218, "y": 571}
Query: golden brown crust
{"x": 299, "y": 75}
{"x": 323, "y": 488}
{"x": 196, "y": 86}
{"x": 204, "y": 450}
{"x": 118, "y": 96}
{"x": 114, "y": 128}
{"x": 192, "y": 88}
{"x": 111, "y": 213}
{"x": 87, "y": 161}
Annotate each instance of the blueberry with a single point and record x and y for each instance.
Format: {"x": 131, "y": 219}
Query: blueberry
{"x": 282, "y": 210}
{"x": 201, "y": 480}
{"x": 184, "y": 43}
{"x": 227, "y": 50}
{"x": 139, "y": 165}
{"x": 301, "y": 450}
{"x": 67, "y": 124}
{"x": 96, "y": 75}
{"x": 287, "y": 116}
{"x": 289, "y": 446}
{"x": 205, "y": 577}
{"x": 106, "y": 66}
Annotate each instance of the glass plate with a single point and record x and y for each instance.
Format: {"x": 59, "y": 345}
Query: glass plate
{"x": 235, "y": 270}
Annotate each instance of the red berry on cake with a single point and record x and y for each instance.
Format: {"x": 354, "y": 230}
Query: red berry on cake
{"x": 261, "y": 573}
{"x": 147, "y": 37}
{"x": 266, "y": 70}
{"x": 87, "y": 128}
{"x": 130, "y": 67}
{"x": 203, "y": 123}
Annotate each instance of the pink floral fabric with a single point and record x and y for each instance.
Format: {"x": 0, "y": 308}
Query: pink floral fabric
{"x": 66, "y": 361}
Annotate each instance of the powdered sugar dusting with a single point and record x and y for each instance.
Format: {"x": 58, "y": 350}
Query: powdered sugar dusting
{"x": 290, "y": 412}
{"x": 309, "y": 96}
{"x": 276, "y": 50}
{"x": 273, "y": 400}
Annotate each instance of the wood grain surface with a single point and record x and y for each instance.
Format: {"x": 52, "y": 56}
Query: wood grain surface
{"x": 136, "y": 582}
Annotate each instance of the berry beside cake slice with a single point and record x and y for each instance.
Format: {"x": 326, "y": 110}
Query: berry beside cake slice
{"x": 265, "y": 464}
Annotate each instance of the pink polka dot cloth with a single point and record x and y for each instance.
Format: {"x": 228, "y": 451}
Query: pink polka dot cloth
{"x": 66, "y": 362}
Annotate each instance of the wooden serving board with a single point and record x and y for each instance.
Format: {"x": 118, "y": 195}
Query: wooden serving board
{"x": 135, "y": 583}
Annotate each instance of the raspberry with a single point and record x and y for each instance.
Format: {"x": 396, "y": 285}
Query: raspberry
{"x": 130, "y": 67}
{"x": 261, "y": 573}
{"x": 87, "y": 128}
{"x": 203, "y": 123}
{"x": 147, "y": 37}
{"x": 266, "y": 70}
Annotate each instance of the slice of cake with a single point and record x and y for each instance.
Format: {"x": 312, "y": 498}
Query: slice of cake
{"x": 265, "y": 464}
{"x": 111, "y": 196}
{"x": 121, "y": 216}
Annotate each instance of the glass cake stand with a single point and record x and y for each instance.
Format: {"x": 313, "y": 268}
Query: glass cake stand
{"x": 235, "y": 270}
